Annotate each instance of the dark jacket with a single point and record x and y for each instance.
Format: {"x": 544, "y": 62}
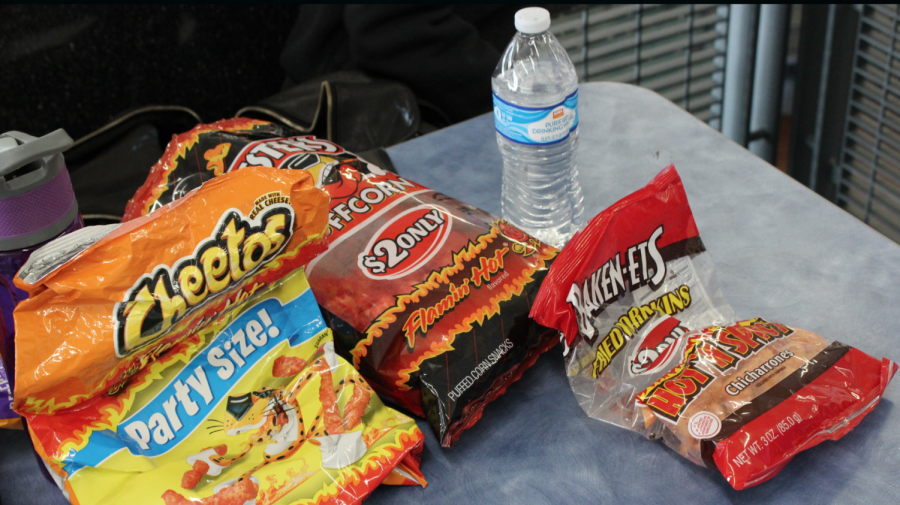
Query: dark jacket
{"x": 445, "y": 54}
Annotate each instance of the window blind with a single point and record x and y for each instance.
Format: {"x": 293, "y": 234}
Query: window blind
{"x": 867, "y": 176}
{"x": 676, "y": 50}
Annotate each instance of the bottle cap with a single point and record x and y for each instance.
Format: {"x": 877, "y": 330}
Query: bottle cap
{"x": 532, "y": 20}
{"x": 36, "y": 197}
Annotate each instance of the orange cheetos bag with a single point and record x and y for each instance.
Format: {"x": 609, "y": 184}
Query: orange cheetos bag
{"x": 96, "y": 314}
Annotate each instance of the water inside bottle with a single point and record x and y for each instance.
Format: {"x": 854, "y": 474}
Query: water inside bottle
{"x": 541, "y": 193}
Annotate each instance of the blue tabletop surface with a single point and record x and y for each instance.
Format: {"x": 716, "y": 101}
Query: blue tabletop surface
{"x": 781, "y": 251}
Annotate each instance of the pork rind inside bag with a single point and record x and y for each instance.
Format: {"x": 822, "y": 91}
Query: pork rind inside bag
{"x": 638, "y": 270}
{"x": 647, "y": 326}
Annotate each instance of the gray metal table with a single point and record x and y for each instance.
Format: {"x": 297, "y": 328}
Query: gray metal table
{"x": 782, "y": 252}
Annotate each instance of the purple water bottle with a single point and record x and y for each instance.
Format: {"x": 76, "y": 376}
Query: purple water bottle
{"x": 37, "y": 204}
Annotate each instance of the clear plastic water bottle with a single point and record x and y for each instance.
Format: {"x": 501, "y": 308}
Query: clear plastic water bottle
{"x": 535, "y": 90}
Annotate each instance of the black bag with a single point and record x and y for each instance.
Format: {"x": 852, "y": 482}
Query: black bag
{"x": 360, "y": 113}
{"x": 349, "y": 108}
{"x": 108, "y": 165}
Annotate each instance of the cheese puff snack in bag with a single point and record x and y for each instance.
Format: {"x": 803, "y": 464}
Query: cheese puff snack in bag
{"x": 652, "y": 346}
{"x": 253, "y": 408}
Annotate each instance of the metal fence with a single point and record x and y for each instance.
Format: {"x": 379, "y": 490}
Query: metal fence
{"x": 867, "y": 177}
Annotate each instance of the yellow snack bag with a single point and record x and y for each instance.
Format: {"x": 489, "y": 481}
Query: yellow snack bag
{"x": 255, "y": 408}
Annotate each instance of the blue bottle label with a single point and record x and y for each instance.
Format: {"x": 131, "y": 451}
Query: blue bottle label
{"x": 536, "y": 126}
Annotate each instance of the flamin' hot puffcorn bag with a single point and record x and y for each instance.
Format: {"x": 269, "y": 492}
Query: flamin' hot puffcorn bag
{"x": 198, "y": 367}
{"x": 652, "y": 346}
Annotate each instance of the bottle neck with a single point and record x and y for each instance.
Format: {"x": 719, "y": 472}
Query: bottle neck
{"x": 532, "y": 35}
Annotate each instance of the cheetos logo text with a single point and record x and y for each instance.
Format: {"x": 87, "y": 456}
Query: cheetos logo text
{"x": 239, "y": 246}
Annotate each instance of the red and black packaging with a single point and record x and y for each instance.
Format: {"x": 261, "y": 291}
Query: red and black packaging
{"x": 652, "y": 346}
{"x": 427, "y": 296}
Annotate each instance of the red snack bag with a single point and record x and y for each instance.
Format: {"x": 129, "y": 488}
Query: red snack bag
{"x": 653, "y": 347}
{"x": 427, "y": 296}
{"x": 430, "y": 296}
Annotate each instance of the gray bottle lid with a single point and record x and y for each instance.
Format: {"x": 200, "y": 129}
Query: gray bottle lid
{"x": 36, "y": 197}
